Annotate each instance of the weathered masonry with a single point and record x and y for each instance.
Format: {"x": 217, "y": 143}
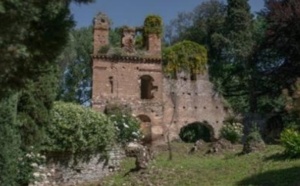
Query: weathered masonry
{"x": 135, "y": 79}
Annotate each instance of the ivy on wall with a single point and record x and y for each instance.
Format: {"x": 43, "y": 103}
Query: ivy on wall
{"x": 185, "y": 56}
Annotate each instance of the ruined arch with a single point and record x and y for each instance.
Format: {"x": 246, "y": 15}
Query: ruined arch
{"x": 146, "y": 87}
{"x": 145, "y": 128}
{"x": 194, "y": 131}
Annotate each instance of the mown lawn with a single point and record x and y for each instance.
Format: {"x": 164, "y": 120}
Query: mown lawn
{"x": 266, "y": 168}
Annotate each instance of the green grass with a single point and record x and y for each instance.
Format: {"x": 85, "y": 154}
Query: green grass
{"x": 264, "y": 168}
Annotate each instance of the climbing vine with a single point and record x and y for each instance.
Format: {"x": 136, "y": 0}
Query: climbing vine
{"x": 185, "y": 56}
{"x": 153, "y": 25}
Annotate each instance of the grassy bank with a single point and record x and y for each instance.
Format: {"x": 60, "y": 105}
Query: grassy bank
{"x": 266, "y": 168}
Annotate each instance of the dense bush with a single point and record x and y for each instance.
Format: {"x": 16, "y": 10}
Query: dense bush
{"x": 290, "y": 139}
{"x": 127, "y": 128}
{"x": 10, "y": 141}
{"x": 233, "y": 132}
{"x": 77, "y": 129}
{"x": 254, "y": 135}
{"x": 253, "y": 141}
{"x": 28, "y": 164}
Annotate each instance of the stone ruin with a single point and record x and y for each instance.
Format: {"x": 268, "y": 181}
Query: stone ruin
{"x": 162, "y": 104}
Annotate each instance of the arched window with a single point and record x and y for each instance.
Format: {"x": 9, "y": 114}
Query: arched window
{"x": 146, "y": 87}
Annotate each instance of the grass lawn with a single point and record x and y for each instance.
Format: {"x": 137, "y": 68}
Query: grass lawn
{"x": 267, "y": 168}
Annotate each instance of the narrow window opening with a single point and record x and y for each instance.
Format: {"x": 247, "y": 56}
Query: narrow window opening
{"x": 111, "y": 82}
{"x": 193, "y": 76}
{"x": 147, "y": 87}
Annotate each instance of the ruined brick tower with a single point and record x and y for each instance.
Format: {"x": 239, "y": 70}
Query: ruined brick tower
{"x": 127, "y": 78}
{"x": 135, "y": 79}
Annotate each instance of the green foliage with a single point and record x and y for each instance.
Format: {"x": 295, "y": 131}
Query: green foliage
{"x": 10, "y": 141}
{"x": 153, "y": 25}
{"x": 28, "y": 164}
{"x": 262, "y": 168}
{"x": 78, "y": 130}
{"x": 290, "y": 139}
{"x": 75, "y": 68}
{"x": 32, "y": 34}
{"x": 254, "y": 135}
{"x": 104, "y": 49}
{"x": 282, "y": 37}
{"x": 127, "y": 128}
{"x": 187, "y": 56}
{"x": 115, "y": 37}
{"x": 199, "y": 25}
{"x": 233, "y": 132}
{"x": 195, "y": 131}
{"x": 34, "y": 106}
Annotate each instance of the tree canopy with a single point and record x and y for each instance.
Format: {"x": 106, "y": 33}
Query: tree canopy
{"x": 185, "y": 56}
{"x": 32, "y": 35}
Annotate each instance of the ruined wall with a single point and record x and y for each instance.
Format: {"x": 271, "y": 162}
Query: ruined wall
{"x": 119, "y": 80}
{"x": 60, "y": 169}
{"x": 195, "y": 101}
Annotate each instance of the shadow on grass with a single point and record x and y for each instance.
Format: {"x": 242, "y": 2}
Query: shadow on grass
{"x": 283, "y": 177}
{"x": 280, "y": 157}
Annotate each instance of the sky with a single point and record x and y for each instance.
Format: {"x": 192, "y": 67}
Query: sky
{"x": 133, "y": 12}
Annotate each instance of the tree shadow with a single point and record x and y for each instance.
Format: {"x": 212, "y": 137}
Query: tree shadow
{"x": 283, "y": 177}
{"x": 280, "y": 157}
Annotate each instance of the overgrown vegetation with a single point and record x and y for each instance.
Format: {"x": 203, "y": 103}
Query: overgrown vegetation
{"x": 126, "y": 126}
{"x": 233, "y": 132}
{"x": 32, "y": 36}
{"x": 253, "y": 62}
{"x": 266, "y": 167}
{"x": 153, "y": 25}
{"x": 290, "y": 139}
{"x": 185, "y": 56}
{"x": 78, "y": 130}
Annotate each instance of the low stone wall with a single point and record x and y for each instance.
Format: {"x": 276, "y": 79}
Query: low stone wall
{"x": 61, "y": 171}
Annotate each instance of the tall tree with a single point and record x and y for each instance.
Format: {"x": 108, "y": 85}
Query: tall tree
{"x": 32, "y": 35}
{"x": 75, "y": 64}
{"x": 283, "y": 37}
{"x": 76, "y": 75}
{"x": 238, "y": 42}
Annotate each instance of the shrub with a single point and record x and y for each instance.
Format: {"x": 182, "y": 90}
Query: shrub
{"x": 253, "y": 141}
{"x": 77, "y": 129}
{"x": 10, "y": 140}
{"x": 233, "y": 132}
{"x": 153, "y": 25}
{"x": 28, "y": 164}
{"x": 254, "y": 136}
{"x": 127, "y": 128}
{"x": 290, "y": 139}
{"x": 104, "y": 49}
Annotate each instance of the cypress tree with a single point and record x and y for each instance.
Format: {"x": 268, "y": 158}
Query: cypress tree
{"x": 9, "y": 140}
